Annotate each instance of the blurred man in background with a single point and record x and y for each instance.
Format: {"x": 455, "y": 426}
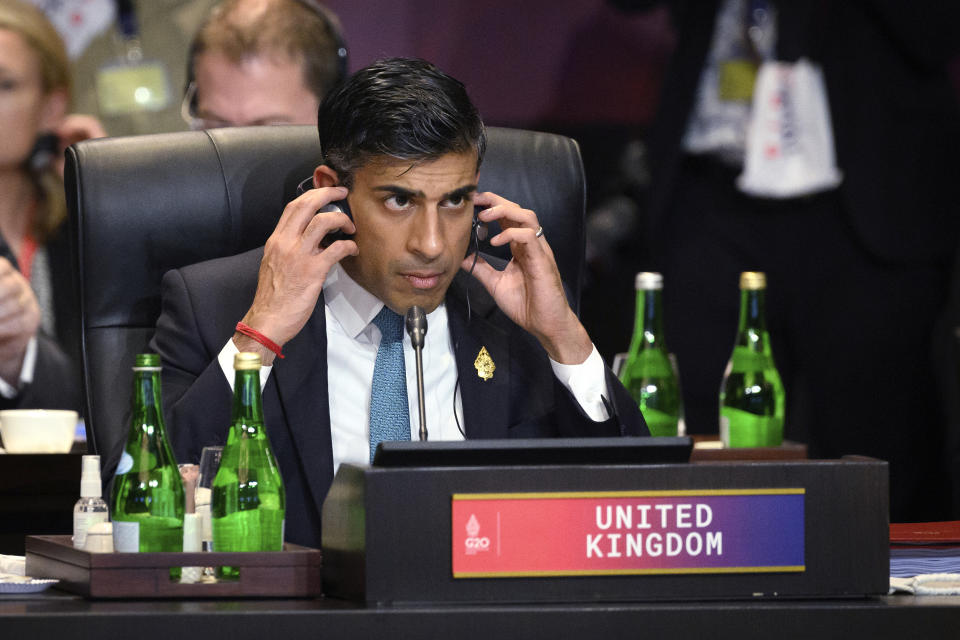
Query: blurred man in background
{"x": 257, "y": 62}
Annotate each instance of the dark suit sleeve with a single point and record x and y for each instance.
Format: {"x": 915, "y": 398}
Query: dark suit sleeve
{"x": 196, "y": 394}
{"x": 625, "y": 418}
{"x": 56, "y": 381}
{"x": 541, "y": 406}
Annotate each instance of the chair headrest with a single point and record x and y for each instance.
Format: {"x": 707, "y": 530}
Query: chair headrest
{"x": 145, "y": 204}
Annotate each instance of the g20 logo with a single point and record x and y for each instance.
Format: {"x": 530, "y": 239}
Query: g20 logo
{"x": 474, "y": 542}
{"x": 477, "y": 544}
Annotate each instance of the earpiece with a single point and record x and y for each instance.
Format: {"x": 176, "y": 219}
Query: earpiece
{"x": 479, "y": 230}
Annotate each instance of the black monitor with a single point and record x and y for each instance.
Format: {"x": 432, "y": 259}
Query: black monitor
{"x": 533, "y": 451}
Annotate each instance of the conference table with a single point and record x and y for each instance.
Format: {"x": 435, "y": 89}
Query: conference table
{"x": 58, "y": 614}
{"x": 55, "y": 614}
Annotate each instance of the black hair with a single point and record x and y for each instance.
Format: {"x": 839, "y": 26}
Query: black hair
{"x": 401, "y": 108}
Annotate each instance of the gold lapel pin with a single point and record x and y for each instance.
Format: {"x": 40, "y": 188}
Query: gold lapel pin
{"x": 484, "y": 364}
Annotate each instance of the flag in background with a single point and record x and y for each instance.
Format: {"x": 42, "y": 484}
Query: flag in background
{"x": 79, "y": 21}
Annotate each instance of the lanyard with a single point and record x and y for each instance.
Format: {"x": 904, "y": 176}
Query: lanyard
{"x": 757, "y": 26}
{"x": 127, "y": 19}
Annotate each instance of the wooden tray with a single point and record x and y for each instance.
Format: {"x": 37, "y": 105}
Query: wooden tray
{"x": 291, "y": 573}
{"x": 925, "y": 533}
{"x": 706, "y": 449}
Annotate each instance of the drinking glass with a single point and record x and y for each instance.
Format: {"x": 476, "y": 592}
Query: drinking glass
{"x": 209, "y": 463}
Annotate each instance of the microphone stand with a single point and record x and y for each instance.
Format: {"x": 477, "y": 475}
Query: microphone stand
{"x": 418, "y": 351}
{"x": 416, "y": 324}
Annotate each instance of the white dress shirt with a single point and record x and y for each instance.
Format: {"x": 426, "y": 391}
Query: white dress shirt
{"x": 352, "y": 343}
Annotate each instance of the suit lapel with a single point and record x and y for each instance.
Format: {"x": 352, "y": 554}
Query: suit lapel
{"x": 300, "y": 382}
{"x": 301, "y": 388}
{"x": 486, "y": 404}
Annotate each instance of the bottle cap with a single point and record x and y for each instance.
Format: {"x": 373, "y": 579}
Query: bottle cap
{"x": 147, "y": 360}
{"x": 246, "y": 360}
{"x": 90, "y": 477}
{"x": 753, "y": 280}
{"x": 648, "y": 280}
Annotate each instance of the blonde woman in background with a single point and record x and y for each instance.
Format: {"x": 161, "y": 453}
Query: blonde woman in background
{"x": 38, "y": 336}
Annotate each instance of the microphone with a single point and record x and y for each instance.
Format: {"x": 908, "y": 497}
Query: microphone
{"x": 416, "y": 323}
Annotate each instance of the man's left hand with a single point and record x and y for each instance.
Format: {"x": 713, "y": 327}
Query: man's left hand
{"x": 529, "y": 290}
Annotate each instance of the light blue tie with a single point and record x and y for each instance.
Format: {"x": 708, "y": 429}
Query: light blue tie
{"x": 389, "y": 412}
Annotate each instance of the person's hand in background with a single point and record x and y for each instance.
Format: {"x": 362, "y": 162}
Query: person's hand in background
{"x": 74, "y": 128}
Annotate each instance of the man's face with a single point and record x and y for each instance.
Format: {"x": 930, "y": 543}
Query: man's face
{"x": 413, "y": 227}
{"x": 266, "y": 89}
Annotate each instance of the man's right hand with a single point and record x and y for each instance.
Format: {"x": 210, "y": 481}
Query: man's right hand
{"x": 294, "y": 267}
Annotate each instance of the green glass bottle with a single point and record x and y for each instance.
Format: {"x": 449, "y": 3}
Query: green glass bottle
{"x": 147, "y": 498}
{"x": 648, "y": 374}
{"x": 248, "y": 502}
{"x": 752, "y": 398}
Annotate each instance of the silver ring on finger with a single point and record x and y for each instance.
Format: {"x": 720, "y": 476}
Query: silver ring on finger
{"x": 539, "y": 233}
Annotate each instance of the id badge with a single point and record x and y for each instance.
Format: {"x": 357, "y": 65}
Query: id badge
{"x": 124, "y": 88}
{"x": 736, "y": 80}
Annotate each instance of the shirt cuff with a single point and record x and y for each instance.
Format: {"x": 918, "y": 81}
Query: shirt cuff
{"x": 225, "y": 358}
{"x": 27, "y": 369}
{"x": 588, "y": 384}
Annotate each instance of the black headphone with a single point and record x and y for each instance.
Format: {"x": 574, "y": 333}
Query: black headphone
{"x": 479, "y": 229}
{"x": 332, "y": 24}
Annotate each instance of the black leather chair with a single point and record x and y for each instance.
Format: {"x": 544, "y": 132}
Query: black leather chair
{"x": 143, "y": 205}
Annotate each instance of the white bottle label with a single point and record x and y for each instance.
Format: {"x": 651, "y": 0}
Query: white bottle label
{"x": 81, "y": 524}
{"x": 126, "y": 537}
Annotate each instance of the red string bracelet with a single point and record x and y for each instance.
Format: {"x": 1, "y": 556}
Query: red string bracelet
{"x": 250, "y": 332}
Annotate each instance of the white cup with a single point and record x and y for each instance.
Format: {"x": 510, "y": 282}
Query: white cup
{"x": 37, "y": 430}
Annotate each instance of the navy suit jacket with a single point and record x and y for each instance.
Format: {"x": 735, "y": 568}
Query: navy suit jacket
{"x": 201, "y": 306}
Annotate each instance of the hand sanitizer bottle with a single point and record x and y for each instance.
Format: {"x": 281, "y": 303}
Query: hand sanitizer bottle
{"x": 90, "y": 508}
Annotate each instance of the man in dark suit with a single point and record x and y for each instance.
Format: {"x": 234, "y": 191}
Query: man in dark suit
{"x": 505, "y": 355}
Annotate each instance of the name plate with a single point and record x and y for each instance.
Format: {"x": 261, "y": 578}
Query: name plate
{"x": 502, "y": 535}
